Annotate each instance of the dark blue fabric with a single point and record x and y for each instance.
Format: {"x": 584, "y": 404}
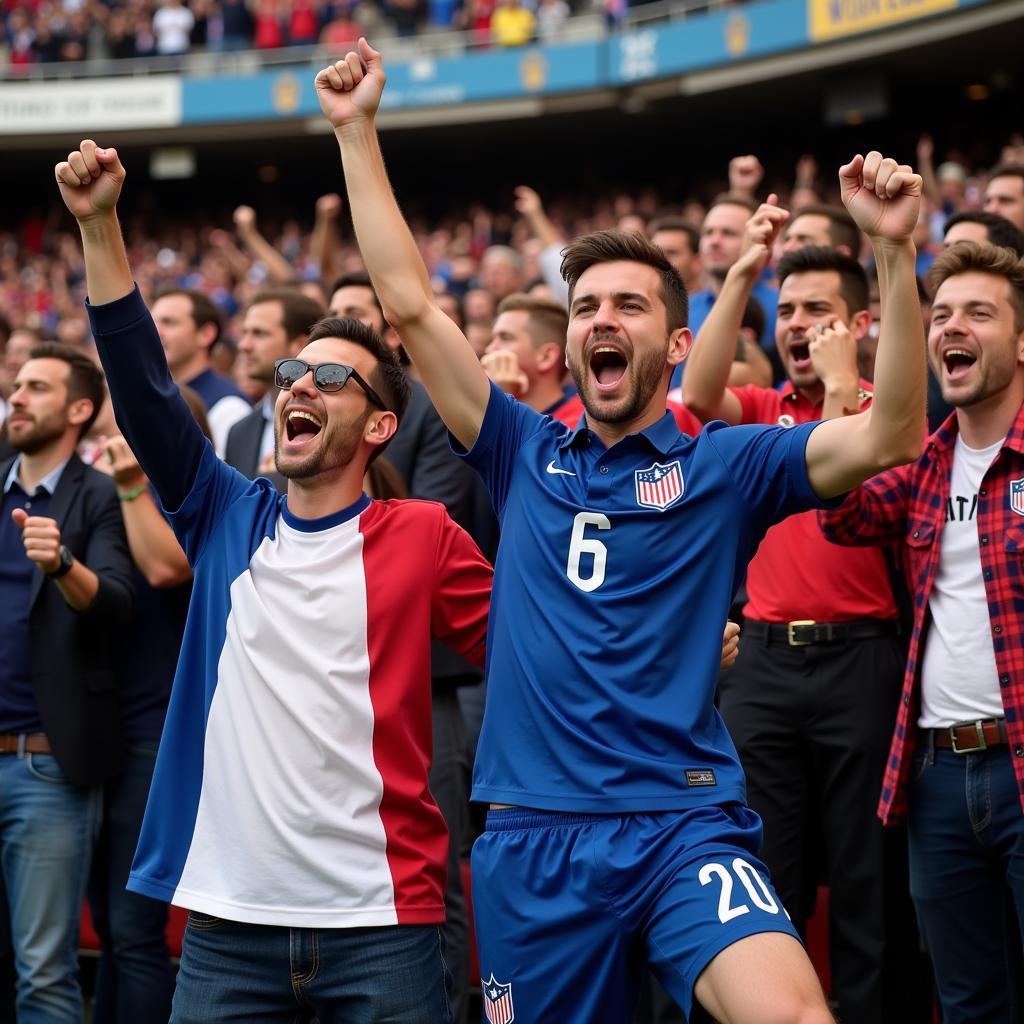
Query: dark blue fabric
{"x": 18, "y": 709}
{"x": 212, "y": 387}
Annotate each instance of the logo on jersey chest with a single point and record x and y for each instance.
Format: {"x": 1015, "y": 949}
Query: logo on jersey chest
{"x": 659, "y": 486}
{"x": 1017, "y": 496}
{"x": 498, "y": 1007}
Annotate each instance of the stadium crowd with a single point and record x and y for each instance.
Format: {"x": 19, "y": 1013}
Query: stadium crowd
{"x": 787, "y": 304}
{"x": 42, "y": 31}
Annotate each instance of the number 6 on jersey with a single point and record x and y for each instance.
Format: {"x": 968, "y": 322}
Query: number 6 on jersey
{"x": 580, "y": 545}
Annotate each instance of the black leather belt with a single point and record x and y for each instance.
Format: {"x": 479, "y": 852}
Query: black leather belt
{"x": 803, "y": 632}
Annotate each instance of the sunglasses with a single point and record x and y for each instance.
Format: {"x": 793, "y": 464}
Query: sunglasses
{"x": 328, "y": 377}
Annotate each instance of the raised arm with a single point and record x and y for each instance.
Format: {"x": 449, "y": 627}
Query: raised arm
{"x": 279, "y": 269}
{"x": 349, "y": 93}
{"x": 705, "y": 390}
{"x": 884, "y": 198}
{"x": 150, "y": 410}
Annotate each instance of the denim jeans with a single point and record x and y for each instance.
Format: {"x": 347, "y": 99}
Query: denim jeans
{"x": 135, "y": 979}
{"x": 966, "y": 837}
{"x": 47, "y": 831}
{"x": 251, "y": 973}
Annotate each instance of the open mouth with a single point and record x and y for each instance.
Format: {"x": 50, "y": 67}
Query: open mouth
{"x": 957, "y": 363}
{"x": 800, "y": 355}
{"x": 608, "y": 365}
{"x": 301, "y": 426}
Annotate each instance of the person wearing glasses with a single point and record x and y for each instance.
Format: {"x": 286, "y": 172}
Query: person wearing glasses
{"x": 290, "y": 810}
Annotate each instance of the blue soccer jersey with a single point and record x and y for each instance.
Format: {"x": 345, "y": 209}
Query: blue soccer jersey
{"x": 613, "y": 581}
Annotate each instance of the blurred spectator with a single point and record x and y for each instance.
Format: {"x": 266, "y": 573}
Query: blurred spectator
{"x": 512, "y": 24}
{"x": 268, "y": 30}
{"x": 236, "y": 25}
{"x": 172, "y": 26}
{"x": 979, "y": 226}
{"x": 551, "y": 16}
{"x": 1005, "y": 193}
{"x": 341, "y": 33}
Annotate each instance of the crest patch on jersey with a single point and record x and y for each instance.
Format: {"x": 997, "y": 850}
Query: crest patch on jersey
{"x": 659, "y": 486}
{"x": 701, "y": 777}
{"x": 498, "y": 1007}
{"x": 1017, "y": 496}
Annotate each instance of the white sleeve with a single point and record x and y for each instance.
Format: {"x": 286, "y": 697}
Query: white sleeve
{"x": 550, "y": 261}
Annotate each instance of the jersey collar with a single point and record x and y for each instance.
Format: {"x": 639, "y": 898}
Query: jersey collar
{"x": 661, "y": 435}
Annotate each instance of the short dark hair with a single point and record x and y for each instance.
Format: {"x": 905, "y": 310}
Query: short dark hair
{"x": 298, "y": 311}
{"x": 1000, "y": 231}
{"x": 388, "y": 378}
{"x": 753, "y": 317}
{"x": 85, "y": 378}
{"x": 734, "y": 199}
{"x": 691, "y": 231}
{"x": 1007, "y": 171}
{"x": 356, "y": 280}
{"x": 853, "y": 281}
{"x": 842, "y": 228}
{"x": 204, "y": 310}
{"x": 547, "y": 319}
{"x": 612, "y": 246}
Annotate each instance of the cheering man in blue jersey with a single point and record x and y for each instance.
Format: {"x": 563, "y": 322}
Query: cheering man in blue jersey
{"x": 617, "y": 831}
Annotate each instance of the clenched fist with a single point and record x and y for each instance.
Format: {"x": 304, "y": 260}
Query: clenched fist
{"x": 90, "y": 181}
{"x": 41, "y": 537}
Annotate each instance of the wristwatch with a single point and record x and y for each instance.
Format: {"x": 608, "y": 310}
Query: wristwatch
{"x": 66, "y": 561}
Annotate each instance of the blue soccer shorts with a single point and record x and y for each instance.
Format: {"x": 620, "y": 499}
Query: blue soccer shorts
{"x": 568, "y": 907}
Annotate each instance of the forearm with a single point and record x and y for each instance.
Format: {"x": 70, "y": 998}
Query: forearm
{"x": 714, "y": 350}
{"x": 388, "y": 248}
{"x": 155, "y": 549}
{"x": 324, "y": 246}
{"x": 279, "y": 269}
{"x": 447, "y": 364}
{"x": 841, "y": 398}
{"x": 898, "y": 413}
{"x": 107, "y": 273}
{"x": 79, "y": 586}
{"x": 754, "y": 368}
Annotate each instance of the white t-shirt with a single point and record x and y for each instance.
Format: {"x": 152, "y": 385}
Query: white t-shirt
{"x": 172, "y": 27}
{"x": 959, "y": 681}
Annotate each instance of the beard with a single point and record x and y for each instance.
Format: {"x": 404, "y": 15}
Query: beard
{"x": 33, "y": 438}
{"x": 995, "y": 375}
{"x": 646, "y": 372}
{"x": 335, "y": 450}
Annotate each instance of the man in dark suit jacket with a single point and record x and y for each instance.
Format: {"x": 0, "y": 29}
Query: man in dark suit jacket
{"x": 65, "y": 592}
{"x": 276, "y": 325}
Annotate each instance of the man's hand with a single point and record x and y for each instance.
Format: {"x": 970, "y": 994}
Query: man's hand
{"x": 350, "y": 89}
{"x": 90, "y": 181}
{"x": 503, "y": 368}
{"x": 730, "y": 645}
{"x": 806, "y": 171}
{"x": 41, "y": 537}
{"x": 328, "y": 207}
{"x": 925, "y": 149}
{"x": 759, "y": 237}
{"x": 745, "y": 174}
{"x": 834, "y": 356}
{"x": 883, "y": 197}
{"x": 117, "y": 460}
{"x": 245, "y": 220}
{"x": 528, "y": 202}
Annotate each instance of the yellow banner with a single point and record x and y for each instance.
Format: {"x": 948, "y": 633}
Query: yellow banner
{"x": 831, "y": 19}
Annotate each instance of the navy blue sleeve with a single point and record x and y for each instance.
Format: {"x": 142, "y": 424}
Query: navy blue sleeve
{"x": 768, "y": 466}
{"x": 507, "y": 425}
{"x": 158, "y": 424}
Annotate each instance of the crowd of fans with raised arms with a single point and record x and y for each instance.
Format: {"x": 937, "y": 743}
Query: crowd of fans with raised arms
{"x": 682, "y": 531}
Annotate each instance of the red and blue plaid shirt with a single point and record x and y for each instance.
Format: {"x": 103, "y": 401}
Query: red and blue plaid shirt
{"x": 908, "y": 505}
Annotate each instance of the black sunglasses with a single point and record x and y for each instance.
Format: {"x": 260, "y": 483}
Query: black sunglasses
{"x": 327, "y": 377}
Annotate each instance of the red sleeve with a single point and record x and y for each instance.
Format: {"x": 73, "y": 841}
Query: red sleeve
{"x": 462, "y": 593}
{"x": 685, "y": 420}
{"x": 758, "y": 405}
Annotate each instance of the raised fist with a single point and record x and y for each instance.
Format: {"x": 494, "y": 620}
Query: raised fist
{"x": 90, "y": 181}
{"x": 350, "y": 89}
{"x": 745, "y": 174}
{"x": 883, "y": 197}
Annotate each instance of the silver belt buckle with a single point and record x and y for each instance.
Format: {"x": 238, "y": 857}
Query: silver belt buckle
{"x": 981, "y": 745}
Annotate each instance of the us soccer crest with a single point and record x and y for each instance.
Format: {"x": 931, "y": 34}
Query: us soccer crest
{"x": 659, "y": 486}
{"x": 1017, "y": 496}
{"x": 498, "y": 1007}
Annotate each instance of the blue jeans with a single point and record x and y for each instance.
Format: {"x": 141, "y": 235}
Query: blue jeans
{"x": 135, "y": 979}
{"x": 247, "y": 973}
{"x": 966, "y": 837}
{"x": 47, "y": 831}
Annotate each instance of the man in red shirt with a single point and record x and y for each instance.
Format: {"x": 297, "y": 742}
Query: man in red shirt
{"x": 811, "y": 701}
{"x": 956, "y": 767}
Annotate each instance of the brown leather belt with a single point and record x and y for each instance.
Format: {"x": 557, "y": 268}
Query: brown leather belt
{"x": 969, "y": 737}
{"x": 34, "y": 743}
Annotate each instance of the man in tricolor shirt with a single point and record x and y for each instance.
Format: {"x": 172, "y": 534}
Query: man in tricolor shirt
{"x": 290, "y": 810}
